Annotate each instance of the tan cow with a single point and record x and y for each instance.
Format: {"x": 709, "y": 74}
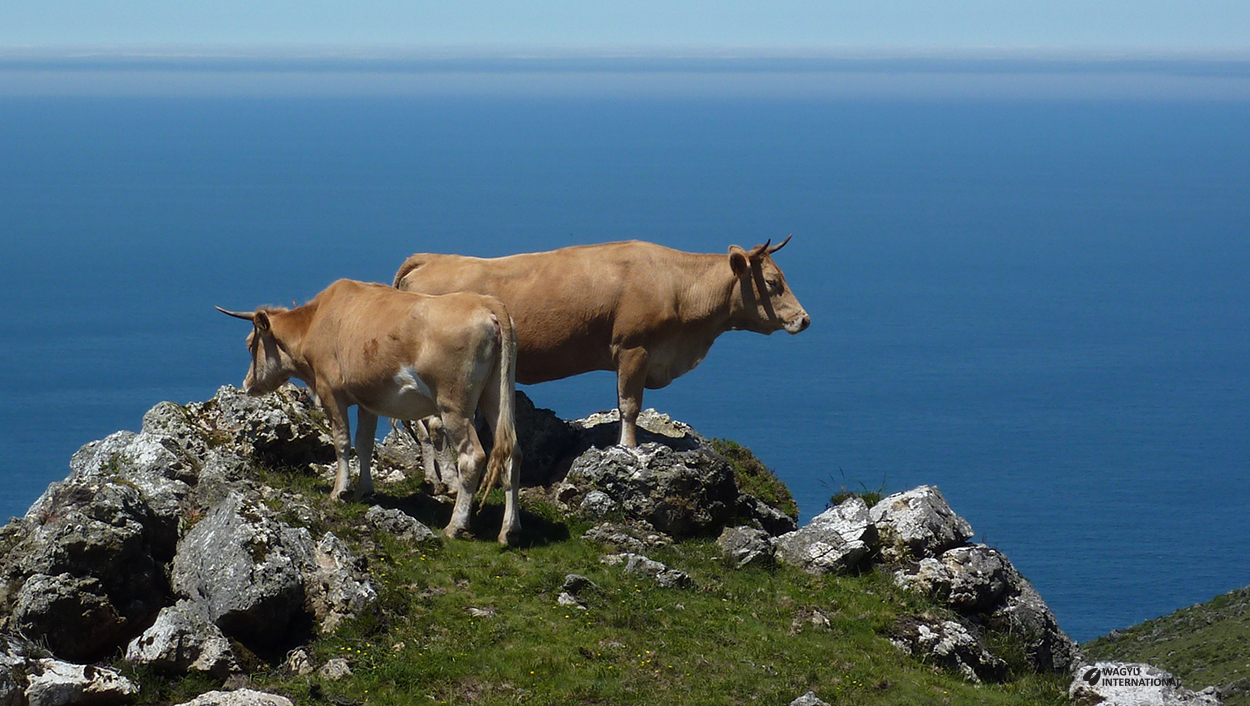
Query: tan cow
{"x": 648, "y": 312}
{"x": 404, "y": 356}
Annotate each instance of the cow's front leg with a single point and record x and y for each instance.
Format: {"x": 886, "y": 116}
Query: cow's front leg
{"x": 366, "y": 430}
{"x": 470, "y": 460}
{"x": 631, "y": 379}
{"x": 340, "y": 429}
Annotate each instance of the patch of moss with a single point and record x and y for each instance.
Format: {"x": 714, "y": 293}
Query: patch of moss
{"x": 756, "y": 479}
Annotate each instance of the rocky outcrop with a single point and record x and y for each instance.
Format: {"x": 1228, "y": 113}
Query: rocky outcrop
{"x": 164, "y": 542}
{"x": 163, "y": 536}
{"x": 980, "y": 583}
{"x": 925, "y": 543}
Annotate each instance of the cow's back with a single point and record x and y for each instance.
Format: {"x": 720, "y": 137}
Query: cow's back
{"x": 567, "y": 304}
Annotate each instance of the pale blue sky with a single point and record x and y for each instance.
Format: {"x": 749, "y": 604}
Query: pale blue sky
{"x": 786, "y": 25}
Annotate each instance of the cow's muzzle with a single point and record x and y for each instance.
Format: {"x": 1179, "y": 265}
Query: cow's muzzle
{"x": 798, "y": 324}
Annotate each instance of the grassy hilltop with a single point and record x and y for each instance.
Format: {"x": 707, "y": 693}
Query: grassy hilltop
{"x": 467, "y": 622}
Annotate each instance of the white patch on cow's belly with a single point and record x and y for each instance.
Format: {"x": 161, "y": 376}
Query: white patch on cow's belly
{"x": 410, "y": 398}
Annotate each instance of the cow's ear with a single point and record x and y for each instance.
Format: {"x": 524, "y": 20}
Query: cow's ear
{"x": 739, "y": 261}
{"x": 262, "y": 322}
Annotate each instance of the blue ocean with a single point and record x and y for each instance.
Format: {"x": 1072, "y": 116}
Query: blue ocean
{"x": 1040, "y": 304}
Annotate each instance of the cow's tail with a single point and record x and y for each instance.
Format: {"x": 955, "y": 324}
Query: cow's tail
{"x": 412, "y": 263}
{"x": 505, "y": 457}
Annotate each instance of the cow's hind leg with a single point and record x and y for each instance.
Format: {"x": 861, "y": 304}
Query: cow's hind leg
{"x": 366, "y": 430}
{"x": 470, "y": 460}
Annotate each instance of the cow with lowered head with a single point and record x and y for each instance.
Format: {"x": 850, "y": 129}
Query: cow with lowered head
{"x": 647, "y": 312}
{"x": 404, "y": 356}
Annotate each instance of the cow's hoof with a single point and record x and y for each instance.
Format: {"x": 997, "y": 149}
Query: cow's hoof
{"x": 457, "y": 533}
{"x": 510, "y": 539}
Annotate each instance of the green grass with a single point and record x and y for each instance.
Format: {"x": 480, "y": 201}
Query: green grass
{"x": 1204, "y": 645}
{"x": 738, "y": 637}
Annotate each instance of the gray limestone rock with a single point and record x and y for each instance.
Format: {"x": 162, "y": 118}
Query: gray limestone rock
{"x": 400, "y": 524}
{"x": 948, "y": 644}
{"x": 979, "y": 581}
{"x": 88, "y": 562}
{"x": 918, "y": 523}
{"x": 1025, "y": 615}
{"x": 808, "y": 699}
{"x": 241, "y": 697}
{"x": 635, "y": 537}
{"x": 246, "y": 570}
{"x": 835, "y": 541}
{"x": 746, "y": 546}
{"x": 772, "y": 520}
{"x": 970, "y": 579}
{"x": 338, "y": 586}
{"x": 282, "y": 428}
{"x": 54, "y": 683}
{"x": 681, "y": 493}
{"x": 643, "y": 566}
{"x": 184, "y": 640}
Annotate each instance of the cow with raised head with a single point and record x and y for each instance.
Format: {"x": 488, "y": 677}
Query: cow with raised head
{"x": 647, "y": 312}
{"x": 404, "y": 356}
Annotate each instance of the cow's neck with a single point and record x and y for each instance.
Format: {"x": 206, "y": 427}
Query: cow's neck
{"x": 715, "y": 300}
{"x": 290, "y": 327}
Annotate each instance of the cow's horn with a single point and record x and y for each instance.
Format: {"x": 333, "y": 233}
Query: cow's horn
{"x": 760, "y": 249}
{"x": 249, "y": 316}
{"x": 779, "y": 246}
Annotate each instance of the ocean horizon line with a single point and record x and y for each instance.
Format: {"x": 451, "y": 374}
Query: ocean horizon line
{"x": 1004, "y": 75}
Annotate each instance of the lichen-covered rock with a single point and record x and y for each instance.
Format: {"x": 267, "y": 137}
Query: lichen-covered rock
{"x": 184, "y": 640}
{"x": 835, "y": 541}
{"x": 1132, "y": 684}
{"x": 399, "y": 524}
{"x": 603, "y": 430}
{"x": 338, "y": 586}
{"x": 643, "y": 566}
{"x": 808, "y": 699}
{"x": 51, "y": 682}
{"x": 918, "y": 523}
{"x": 948, "y": 644}
{"x": 246, "y": 569}
{"x": 241, "y": 697}
{"x": 15, "y": 654}
{"x": 970, "y": 579}
{"x": 636, "y": 537}
{"x": 746, "y": 546}
{"x": 979, "y": 581}
{"x": 283, "y": 428}
{"x": 86, "y": 561}
{"x": 681, "y": 493}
